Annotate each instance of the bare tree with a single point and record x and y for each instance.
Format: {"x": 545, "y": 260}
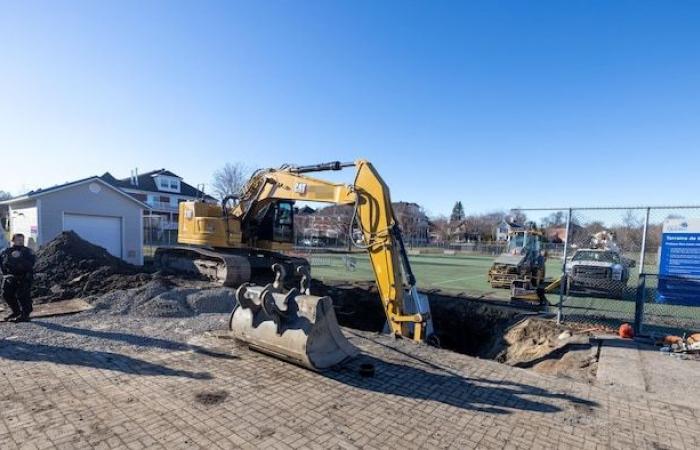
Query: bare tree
{"x": 517, "y": 216}
{"x": 413, "y": 221}
{"x": 595, "y": 226}
{"x": 629, "y": 235}
{"x": 4, "y": 219}
{"x": 555, "y": 220}
{"x": 230, "y": 179}
{"x": 440, "y": 229}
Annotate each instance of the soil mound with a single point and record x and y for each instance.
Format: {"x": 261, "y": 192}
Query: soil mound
{"x": 69, "y": 267}
{"x": 546, "y": 347}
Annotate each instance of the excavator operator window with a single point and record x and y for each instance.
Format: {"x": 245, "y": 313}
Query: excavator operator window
{"x": 277, "y": 223}
{"x": 283, "y": 228}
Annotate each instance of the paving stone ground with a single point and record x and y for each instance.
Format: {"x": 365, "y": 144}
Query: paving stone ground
{"x": 213, "y": 394}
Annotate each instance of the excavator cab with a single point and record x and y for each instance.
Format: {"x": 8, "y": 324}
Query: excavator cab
{"x": 273, "y": 227}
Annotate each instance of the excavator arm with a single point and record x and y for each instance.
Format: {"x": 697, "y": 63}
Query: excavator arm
{"x": 407, "y": 311}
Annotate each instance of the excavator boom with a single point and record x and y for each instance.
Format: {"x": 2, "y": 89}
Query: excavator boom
{"x": 407, "y": 312}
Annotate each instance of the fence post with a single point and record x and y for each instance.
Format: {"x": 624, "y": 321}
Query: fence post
{"x": 562, "y": 287}
{"x": 641, "y": 284}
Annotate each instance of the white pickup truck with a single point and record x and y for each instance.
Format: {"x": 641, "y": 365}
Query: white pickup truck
{"x": 598, "y": 271}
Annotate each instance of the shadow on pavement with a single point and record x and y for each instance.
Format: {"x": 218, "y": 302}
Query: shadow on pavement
{"x": 31, "y": 352}
{"x": 134, "y": 339}
{"x": 446, "y": 386}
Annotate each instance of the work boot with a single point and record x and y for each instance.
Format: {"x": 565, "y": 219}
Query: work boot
{"x": 11, "y": 317}
{"x": 22, "y": 318}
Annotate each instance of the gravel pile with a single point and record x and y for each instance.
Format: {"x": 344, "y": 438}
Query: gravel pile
{"x": 161, "y": 298}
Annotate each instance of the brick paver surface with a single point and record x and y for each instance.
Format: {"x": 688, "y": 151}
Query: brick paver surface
{"x": 62, "y": 397}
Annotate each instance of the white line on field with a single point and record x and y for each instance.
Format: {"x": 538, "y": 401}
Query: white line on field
{"x": 460, "y": 279}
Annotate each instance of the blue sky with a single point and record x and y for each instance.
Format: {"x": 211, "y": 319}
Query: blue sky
{"x": 497, "y": 104}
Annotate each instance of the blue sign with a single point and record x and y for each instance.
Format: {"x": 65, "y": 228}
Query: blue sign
{"x": 679, "y": 263}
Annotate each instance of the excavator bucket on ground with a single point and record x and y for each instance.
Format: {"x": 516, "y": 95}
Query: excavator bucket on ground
{"x": 292, "y": 326}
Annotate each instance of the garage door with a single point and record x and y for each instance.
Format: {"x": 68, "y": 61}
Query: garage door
{"x": 100, "y": 230}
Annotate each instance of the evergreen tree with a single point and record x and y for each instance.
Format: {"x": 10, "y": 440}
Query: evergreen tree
{"x": 457, "y": 212}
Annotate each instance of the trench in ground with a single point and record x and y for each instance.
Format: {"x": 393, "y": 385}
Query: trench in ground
{"x": 507, "y": 334}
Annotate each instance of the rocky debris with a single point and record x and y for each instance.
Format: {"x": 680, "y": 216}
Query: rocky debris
{"x": 217, "y": 300}
{"x": 160, "y": 297}
{"x": 71, "y": 267}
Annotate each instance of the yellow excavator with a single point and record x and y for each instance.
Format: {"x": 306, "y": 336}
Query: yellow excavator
{"x": 243, "y": 236}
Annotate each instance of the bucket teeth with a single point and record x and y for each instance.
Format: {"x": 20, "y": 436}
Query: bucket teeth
{"x": 245, "y": 300}
{"x": 305, "y": 283}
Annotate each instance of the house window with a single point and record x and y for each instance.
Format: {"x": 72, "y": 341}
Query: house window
{"x": 174, "y": 184}
{"x": 164, "y": 183}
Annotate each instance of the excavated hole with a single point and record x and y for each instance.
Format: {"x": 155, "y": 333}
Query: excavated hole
{"x": 468, "y": 327}
{"x": 507, "y": 334}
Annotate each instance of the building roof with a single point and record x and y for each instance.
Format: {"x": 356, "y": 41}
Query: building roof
{"x": 146, "y": 182}
{"x": 305, "y": 210}
{"x": 93, "y": 179}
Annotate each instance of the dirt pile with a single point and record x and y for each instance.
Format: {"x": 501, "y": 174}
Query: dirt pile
{"x": 546, "y": 347}
{"x": 70, "y": 267}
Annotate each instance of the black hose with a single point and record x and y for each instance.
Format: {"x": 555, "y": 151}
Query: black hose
{"x": 225, "y": 211}
{"x": 396, "y": 231}
{"x": 334, "y": 165}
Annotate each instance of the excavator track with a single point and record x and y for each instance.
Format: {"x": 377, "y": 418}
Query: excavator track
{"x": 229, "y": 267}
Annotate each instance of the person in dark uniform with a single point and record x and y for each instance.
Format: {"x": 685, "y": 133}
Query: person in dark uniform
{"x": 17, "y": 266}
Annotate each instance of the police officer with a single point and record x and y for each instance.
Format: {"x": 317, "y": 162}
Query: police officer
{"x": 17, "y": 266}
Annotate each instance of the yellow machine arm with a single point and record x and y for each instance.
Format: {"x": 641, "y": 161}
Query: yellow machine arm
{"x": 407, "y": 312}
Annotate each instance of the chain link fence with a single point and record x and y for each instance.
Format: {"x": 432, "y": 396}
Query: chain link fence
{"x": 637, "y": 265}
{"x": 601, "y": 270}
{"x": 158, "y": 231}
{"x": 602, "y": 266}
{"x": 669, "y": 293}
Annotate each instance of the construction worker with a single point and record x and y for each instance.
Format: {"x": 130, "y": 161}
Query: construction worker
{"x": 17, "y": 267}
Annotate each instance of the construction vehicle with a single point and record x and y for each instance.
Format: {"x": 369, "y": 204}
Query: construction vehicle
{"x": 522, "y": 262}
{"x": 246, "y": 234}
{"x": 599, "y": 269}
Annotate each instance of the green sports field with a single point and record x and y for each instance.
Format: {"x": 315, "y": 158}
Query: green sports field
{"x": 466, "y": 274}
{"x": 451, "y": 273}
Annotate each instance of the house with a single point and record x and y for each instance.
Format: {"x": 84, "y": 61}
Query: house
{"x": 557, "y": 235}
{"x": 503, "y": 228}
{"x": 413, "y": 221}
{"x": 98, "y": 211}
{"x": 162, "y": 190}
{"x": 327, "y": 226}
{"x": 331, "y": 225}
